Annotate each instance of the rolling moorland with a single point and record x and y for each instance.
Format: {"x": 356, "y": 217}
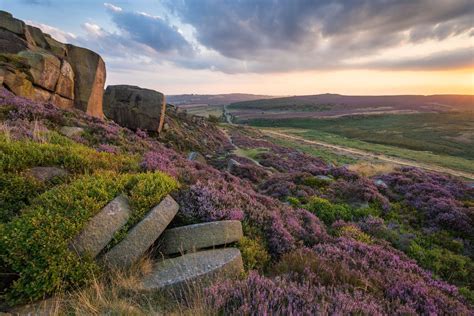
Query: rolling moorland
{"x": 321, "y": 231}
{"x": 437, "y": 131}
{"x": 210, "y": 104}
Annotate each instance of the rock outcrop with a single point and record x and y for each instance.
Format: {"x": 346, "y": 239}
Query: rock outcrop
{"x": 134, "y": 107}
{"x": 36, "y": 66}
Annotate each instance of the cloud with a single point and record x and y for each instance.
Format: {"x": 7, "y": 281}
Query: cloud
{"x": 285, "y": 35}
{"x": 453, "y": 59}
{"x": 152, "y": 31}
{"x": 62, "y": 36}
{"x": 112, "y": 7}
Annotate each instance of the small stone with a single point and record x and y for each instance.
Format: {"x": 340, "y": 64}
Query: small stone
{"x": 380, "y": 183}
{"x": 205, "y": 235}
{"x": 46, "y": 174}
{"x": 71, "y": 131}
{"x": 232, "y": 164}
{"x": 195, "y": 156}
{"x": 324, "y": 178}
{"x": 100, "y": 230}
{"x": 181, "y": 274}
{"x": 143, "y": 235}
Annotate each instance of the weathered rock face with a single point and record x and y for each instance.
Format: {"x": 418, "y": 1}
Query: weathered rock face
{"x": 36, "y": 66}
{"x": 133, "y": 107}
{"x": 89, "y": 69}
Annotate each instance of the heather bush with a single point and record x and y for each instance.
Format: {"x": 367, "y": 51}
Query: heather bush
{"x": 435, "y": 197}
{"x": 357, "y": 192}
{"x": 35, "y": 245}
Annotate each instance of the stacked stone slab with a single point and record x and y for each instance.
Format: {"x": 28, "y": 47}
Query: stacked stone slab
{"x": 192, "y": 271}
{"x": 199, "y": 236}
{"x": 100, "y": 230}
{"x": 197, "y": 264}
{"x": 35, "y": 66}
{"x": 143, "y": 235}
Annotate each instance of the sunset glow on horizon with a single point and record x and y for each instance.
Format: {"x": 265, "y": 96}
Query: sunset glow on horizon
{"x": 276, "y": 47}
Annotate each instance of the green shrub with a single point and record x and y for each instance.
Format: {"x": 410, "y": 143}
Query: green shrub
{"x": 316, "y": 182}
{"x": 16, "y": 192}
{"x": 35, "y": 244}
{"x": 19, "y": 155}
{"x": 351, "y": 231}
{"x": 254, "y": 254}
{"x": 328, "y": 212}
{"x": 293, "y": 201}
{"x": 451, "y": 267}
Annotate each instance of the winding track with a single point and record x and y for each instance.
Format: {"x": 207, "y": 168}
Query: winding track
{"x": 381, "y": 157}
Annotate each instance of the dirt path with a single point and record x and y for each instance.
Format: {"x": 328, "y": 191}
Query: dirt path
{"x": 381, "y": 157}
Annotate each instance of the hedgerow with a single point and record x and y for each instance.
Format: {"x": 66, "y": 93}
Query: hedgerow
{"x": 35, "y": 245}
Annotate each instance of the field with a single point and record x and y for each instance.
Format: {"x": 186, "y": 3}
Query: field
{"x": 445, "y": 140}
{"x": 335, "y": 105}
{"x": 203, "y": 110}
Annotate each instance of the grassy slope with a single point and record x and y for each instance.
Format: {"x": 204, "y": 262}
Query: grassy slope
{"x": 444, "y": 140}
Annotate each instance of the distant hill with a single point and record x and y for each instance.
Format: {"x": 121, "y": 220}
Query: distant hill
{"x": 334, "y": 105}
{"x": 213, "y": 99}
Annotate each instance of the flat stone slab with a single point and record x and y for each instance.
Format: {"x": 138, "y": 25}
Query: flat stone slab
{"x": 100, "y": 230}
{"x": 143, "y": 235}
{"x": 193, "y": 270}
{"x": 205, "y": 235}
{"x": 46, "y": 174}
{"x": 71, "y": 131}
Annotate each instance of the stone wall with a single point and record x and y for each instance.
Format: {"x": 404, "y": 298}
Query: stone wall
{"x": 36, "y": 66}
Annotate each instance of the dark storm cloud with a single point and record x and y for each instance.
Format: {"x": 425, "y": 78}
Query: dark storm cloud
{"x": 272, "y": 35}
{"x": 151, "y": 31}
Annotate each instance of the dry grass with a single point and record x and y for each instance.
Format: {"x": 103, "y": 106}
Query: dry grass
{"x": 119, "y": 293}
{"x": 40, "y": 133}
{"x": 6, "y": 131}
{"x": 368, "y": 169}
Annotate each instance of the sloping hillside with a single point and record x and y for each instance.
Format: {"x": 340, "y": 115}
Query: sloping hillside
{"x": 330, "y": 239}
{"x": 335, "y": 105}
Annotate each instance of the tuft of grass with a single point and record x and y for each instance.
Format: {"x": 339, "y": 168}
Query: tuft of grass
{"x": 368, "y": 169}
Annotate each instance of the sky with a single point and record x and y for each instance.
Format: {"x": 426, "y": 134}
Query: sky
{"x": 273, "y": 47}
